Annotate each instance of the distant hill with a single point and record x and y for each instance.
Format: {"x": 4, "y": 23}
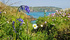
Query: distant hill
{"x": 41, "y": 9}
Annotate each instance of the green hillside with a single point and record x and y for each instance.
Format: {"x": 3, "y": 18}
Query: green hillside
{"x": 41, "y": 9}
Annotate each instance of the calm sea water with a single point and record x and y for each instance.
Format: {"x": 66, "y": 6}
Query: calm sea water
{"x": 38, "y": 14}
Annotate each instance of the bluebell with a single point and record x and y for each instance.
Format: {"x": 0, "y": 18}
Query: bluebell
{"x": 20, "y": 20}
{"x": 23, "y": 7}
{"x": 13, "y": 23}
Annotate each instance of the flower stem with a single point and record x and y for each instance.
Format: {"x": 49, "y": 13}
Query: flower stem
{"x": 27, "y": 30}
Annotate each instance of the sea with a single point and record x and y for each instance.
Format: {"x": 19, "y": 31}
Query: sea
{"x": 37, "y": 15}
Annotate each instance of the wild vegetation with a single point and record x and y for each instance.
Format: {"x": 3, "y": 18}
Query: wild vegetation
{"x": 15, "y": 25}
{"x": 56, "y": 25}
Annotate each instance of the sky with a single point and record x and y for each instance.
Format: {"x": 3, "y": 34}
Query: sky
{"x": 34, "y": 3}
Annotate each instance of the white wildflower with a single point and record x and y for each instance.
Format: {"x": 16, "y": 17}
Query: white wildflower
{"x": 7, "y": 21}
{"x": 35, "y": 26}
{"x": 41, "y": 25}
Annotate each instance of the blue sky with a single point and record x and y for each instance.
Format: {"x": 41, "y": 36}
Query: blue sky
{"x": 56, "y": 3}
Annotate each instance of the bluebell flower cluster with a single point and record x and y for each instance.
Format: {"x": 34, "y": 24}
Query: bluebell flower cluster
{"x": 27, "y": 9}
{"x": 13, "y": 25}
{"x": 23, "y": 7}
{"x": 21, "y": 20}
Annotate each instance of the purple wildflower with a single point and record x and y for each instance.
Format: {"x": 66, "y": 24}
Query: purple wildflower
{"x": 0, "y": 12}
{"x": 19, "y": 10}
{"x": 69, "y": 16}
{"x": 65, "y": 13}
{"x": 13, "y": 26}
{"x": 57, "y": 11}
{"x": 27, "y": 9}
{"x": 20, "y": 20}
{"x": 21, "y": 23}
{"x": 65, "y": 19}
{"x": 13, "y": 23}
{"x": 53, "y": 14}
{"x": 23, "y": 7}
{"x": 45, "y": 22}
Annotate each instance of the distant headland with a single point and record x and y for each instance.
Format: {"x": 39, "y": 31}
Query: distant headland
{"x": 42, "y": 9}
